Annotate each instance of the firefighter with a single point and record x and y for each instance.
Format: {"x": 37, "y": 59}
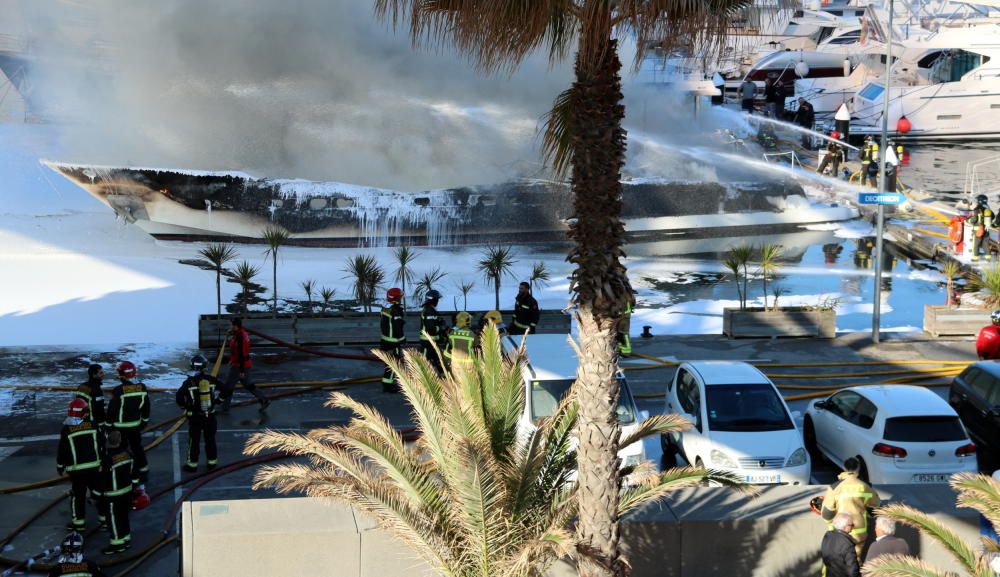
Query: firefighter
{"x": 432, "y": 329}
{"x": 495, "y": 319}
{"x": 461, "y": 341}
{"x": 833, "y": 157}
{"x": 981, "y": 220}
{"x": 116, "y": 472}
{"x": 525, "y": 310}
{"x": 128, "y": 412}
{"x": 198, "y": 396}
{"x": 80, "y": 449}
{"x": 988, "y": 341}
{"x": 239, "y": 367}
{"x": 392, "y": 337}
{"x": 867, "y": 156}
{"x": 71, "y": 562}
{"x": 93, "y": 393}
{"x": 853, "y": 496}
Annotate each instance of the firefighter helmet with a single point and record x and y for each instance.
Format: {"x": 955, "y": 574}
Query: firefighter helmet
{"x": 394, "y": 295}
{"x": 995, "y": 317}
{"x": 432, "y": 295}
{"x": 71, "y": 550}
{"x": 126, "y": 370}
{"x": 140, "y": 500}
{"x": 982, "y": 200}
{"x": 77, "y": 408}
{"x": 198, "y": 362}
{"x": 494, "y": 318}
{"x": 463, "y": 320}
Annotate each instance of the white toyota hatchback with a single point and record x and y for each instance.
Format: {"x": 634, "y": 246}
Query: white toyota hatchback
{"x": 549, "y": 372}
{"x": 901, "y": 434}
{"x": 741, "y": 423}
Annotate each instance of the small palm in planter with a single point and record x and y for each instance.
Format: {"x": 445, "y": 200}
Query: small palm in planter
{"x": 309, "y": 287}
{"x": 496, "y": 263}
{"x": 326, "y": 295}
{"x": 405, "y": 256}
{"x": 769, "y": 255}
{"x": 427, "y": 282}
{"x": 245, "y": 273}
{"x": 737, "y": 261}
{"x": 950, "y": 270}
{"x": 275, "y": 237}
{"x": 368, "y": 277}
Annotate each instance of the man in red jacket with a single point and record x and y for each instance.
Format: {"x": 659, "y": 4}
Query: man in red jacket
{"x": 239, "y": 367}
{"x": 988, "y": 342}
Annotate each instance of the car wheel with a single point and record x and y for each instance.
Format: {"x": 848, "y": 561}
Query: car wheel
{"x": 809, "y": 438}
{"x": 863, "y": 471}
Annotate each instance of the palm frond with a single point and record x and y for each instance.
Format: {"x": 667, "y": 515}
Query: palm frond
{"x": 657, "y": 424}
{"x": 218, "y": 254}
{"x": 672, "y": 479}
{"x": 979, "y": 492}
{"x": 557, "y": 135}
{"x": 900, "y": 566}
{"x": 929, "y": 526}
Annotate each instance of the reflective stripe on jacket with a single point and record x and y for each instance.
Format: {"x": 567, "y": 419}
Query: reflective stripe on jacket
{"x": 117, "y": 473}
{"x": 460, "y": 344}
{"x": 129, "y": 406}
{"x": 79, "y": 447}
{"x": 392, "y": 324}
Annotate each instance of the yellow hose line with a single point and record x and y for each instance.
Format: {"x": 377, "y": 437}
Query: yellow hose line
{"x": 899, "y": 381}
{"x": 863, "y": 364}
{"x": 853, "y": 375}
{"x": 930, "y": 232}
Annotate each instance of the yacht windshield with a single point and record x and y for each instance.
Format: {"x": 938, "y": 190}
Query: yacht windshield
{"x": 753, "y": 407}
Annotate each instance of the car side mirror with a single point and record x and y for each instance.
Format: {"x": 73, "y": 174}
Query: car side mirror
{"x": 821, "y": 405}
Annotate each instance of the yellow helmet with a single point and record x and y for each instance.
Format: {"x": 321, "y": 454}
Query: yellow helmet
{"x": 494, "y": 317}
{"x": 463, "y": 320}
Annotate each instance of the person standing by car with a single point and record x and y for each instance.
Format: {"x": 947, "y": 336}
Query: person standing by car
{"x": 838, "y": 550}
{"x": 886, "y": 541}
{"x": 988, "y": 341}
{"x": 854, "y": 497}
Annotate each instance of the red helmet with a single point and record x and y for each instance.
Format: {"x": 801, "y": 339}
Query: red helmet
{"x": 126, "y": 370}
{"x": 78, "y": 408}
{"x": 394, "y": 295}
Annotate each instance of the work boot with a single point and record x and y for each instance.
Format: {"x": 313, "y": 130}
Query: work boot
{"x": 78, "y": 527}
{"x": 115, "y": 549}
{"x": 190, "y": 468}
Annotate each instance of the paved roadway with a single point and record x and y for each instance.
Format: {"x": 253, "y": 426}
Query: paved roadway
{"x": 30, "y": 421}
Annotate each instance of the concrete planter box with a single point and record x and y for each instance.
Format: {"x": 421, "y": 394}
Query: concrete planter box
{"x": 340, "y": 328}
{"x": 954, "y": 321}
{"x": 784, "y": 322}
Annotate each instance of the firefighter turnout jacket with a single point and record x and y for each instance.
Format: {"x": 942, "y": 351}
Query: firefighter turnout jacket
{"x": 461, "y": 341}
{"x": 82, "y": 569}
{"x": 432, "y": 324}
{"x": 117, "y": 473}
{"x": 129, "y": 406}
{"x": 853, "y": 496}
{"x": 80, "y": 446}
{"x": 92, "y": 392}
{"x": 198, "y": 396}
{"x": 392, "y": 325}
{"x": 525, "y": 313}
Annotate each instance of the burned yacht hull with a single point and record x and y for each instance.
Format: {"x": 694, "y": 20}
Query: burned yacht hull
{"x": 202, "y": 206}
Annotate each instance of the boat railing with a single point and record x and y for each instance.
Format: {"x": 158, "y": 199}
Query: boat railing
{"x": 974, "y": 180}
{"x": 789, "y": 156}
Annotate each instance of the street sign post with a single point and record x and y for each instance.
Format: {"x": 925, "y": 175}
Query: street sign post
{"x": 883, "y": 189}
{"x": 881, "y": 198}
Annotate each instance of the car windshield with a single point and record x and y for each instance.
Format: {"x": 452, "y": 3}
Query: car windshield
{"x": 746, "y": 408}
{"x": 924, "y": 429}
{"x": 545, "y": 397}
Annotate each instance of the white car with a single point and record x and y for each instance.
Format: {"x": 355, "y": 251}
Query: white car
{"x": 548, "y": 375}
{"x": 901, "y": 434}
{"x": 741, "y": 423}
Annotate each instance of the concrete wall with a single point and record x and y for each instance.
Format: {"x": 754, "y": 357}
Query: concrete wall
{"x": 699, "y": 532}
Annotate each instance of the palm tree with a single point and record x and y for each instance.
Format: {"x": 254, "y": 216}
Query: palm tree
{"x": 539, "y": 275}
{"x": 583, "y": 136}
{"x": 245, "y": 273}
{"x": 975, "y": 491}
{"x": 769, "y": 255}
{"x": 496, "y": 263}
{"x": 309, "y": 286}
{"x": 950, "y": 269}
{"x": 427, "y": 282}
{"x": 734, "y": 265}
{"x": 465, "y": 288}
{"x": 275, "y": 237}
{"x": 474, "y": 496}
{"x": 326, "y": 294}
{"x": 367, "y": 276}
{"x": 218, "y": 254}
{"x": 405, "y": 256}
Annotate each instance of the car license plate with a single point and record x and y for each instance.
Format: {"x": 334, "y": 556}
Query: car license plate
{"x": 932, "y": 478}
{"x": 762, "y": 479}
